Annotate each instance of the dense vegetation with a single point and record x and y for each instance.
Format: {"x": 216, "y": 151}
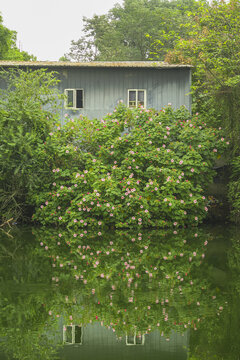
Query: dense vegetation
{"x": 134, "y": 167}
{"x": 200, "y": 33}
{"x": 24, "y": 125}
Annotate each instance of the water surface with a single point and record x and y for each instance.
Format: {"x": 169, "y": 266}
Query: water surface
{"x": 120, "y": 295}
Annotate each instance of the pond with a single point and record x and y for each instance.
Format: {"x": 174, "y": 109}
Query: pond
{"x": 120, "y": 295}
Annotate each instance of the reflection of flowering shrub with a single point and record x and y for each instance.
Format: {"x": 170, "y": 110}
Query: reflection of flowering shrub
{"x": 131, "y": 281}
{"x": 151, "y": 174}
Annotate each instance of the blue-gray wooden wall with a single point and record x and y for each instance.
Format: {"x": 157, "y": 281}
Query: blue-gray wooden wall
{"x": 105, "y": 87}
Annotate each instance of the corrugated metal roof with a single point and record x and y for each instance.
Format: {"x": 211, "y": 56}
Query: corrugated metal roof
{"x": 101, "y": 64}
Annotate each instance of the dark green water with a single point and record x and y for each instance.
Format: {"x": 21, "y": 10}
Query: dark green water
{"x": 120, "y": 295}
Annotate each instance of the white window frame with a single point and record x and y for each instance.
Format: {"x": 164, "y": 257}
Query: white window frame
{"x": 74, "y": 106}
{"x": 145, "y": 98}
{"x": 73, "y": 335}
{"x": 134, "y": 340}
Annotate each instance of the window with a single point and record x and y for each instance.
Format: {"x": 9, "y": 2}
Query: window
{"x": 135, "y": 339}
{"x": 73, "y": 98}
{"x": 72, "y": 334}
{"x": 136, "y": 98}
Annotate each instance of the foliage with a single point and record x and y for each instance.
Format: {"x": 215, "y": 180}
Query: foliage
{"x": 234, "y": 190}
{"x": 212, "y": 45}
{"x": 27, "y": 112}
{"x": 8, "y": 47}
{"x": 138, "y": 168}
{"x": 127, "y": 32}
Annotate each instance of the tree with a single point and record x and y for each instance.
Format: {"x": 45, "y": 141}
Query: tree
{"x": 28, "y": 110}
{"x": 127, "y": 32}
{"x": 8, "y": 47}
{"x": 212, "y": 47}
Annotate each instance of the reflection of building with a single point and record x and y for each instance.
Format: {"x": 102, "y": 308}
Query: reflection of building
{"x": 135, "y": 339}
{"x": 72, "y": 334}
{"x": 94, "y": 341}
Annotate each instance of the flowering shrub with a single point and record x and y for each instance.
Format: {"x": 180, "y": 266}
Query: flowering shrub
{"x": 138, "y": 168}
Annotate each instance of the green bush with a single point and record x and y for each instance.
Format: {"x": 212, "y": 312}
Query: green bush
{"x": 234, "y": 190}
{"x": 28, "y": 110}
{"x": 134, "y": 168}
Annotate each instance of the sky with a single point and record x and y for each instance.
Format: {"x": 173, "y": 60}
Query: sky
{"x": 45, "y": 28}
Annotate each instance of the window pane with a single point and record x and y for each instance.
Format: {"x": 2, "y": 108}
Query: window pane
{"x": 69, "y": 98}
{"x": 79, "y": 100}
{"x": 141, "y": 97}
{"x": 132, "y": 98}
{"x": 78, "y": 335}
{"x": 131, "y": 339}
{"x": 139, "y": 340}
{"x": 69, "y": 334}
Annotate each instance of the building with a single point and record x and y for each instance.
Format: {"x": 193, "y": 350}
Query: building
{"x": 94, "y": 89}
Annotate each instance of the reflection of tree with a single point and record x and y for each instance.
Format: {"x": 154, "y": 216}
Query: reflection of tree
{"x": 218, "y": 338}
{"x": 25, "y": 289}
{"x": 132, "y": 282}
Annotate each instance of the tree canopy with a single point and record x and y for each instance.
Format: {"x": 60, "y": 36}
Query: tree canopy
{"x": 8, "y": 47}
{"x": 127, "y": 32}
{"x": 212, "y": 46}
